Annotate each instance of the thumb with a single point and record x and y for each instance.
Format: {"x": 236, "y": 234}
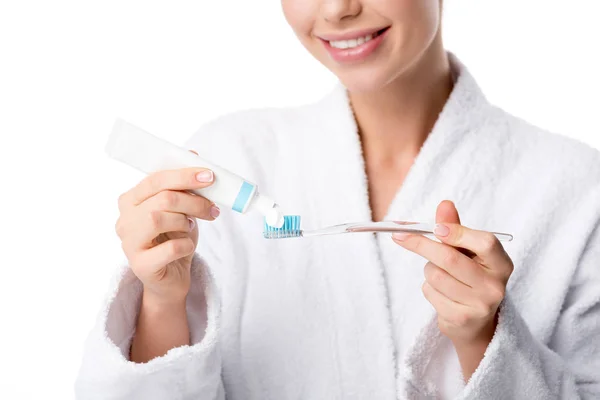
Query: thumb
{"x": 446, "y": 212}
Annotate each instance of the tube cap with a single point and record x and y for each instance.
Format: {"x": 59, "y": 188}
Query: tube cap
{"x": 268, "y": 208}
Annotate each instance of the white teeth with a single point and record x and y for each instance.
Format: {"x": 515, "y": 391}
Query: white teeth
{"x": 349, "y": 44}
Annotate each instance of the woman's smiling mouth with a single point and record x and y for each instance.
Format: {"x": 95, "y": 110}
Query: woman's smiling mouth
{"x": 353, "y": 46}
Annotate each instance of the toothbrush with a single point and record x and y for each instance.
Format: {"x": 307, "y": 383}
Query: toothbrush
{"x": 291, "y": 229}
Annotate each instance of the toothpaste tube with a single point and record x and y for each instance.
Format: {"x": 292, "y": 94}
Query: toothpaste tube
{"x": 148, "y": 154}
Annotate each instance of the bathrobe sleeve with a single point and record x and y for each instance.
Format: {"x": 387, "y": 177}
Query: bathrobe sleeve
{"x": 184, "y": 372}
{"x": 517, "y": 365}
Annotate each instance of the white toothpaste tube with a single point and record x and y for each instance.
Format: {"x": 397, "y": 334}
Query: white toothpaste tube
{"x": 148, "y": 154}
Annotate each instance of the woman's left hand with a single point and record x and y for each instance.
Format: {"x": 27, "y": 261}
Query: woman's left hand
{"x": 465, "y": 278}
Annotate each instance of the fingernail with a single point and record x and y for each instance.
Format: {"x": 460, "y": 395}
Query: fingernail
{"x": 441, "y": 230}
{"x": 400, "y": 236}
{"x": 192, "y": 223}
{"x": 205, "y": 176}
{"x": 214, "y": 211}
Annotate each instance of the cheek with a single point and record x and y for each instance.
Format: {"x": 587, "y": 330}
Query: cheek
{"x": 417, "y": 20}
{"x": 431, "y": 14}
{"x": 300, "y": 15}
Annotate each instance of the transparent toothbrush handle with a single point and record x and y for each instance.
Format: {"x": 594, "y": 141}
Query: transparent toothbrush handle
{"x": 408, "y": 227}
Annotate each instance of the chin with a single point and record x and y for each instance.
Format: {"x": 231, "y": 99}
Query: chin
{"x": 372, "y": 75}
{"x": 364, "y": 81}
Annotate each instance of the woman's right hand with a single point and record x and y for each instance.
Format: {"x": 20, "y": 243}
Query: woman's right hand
{"x": 158, "y": 231}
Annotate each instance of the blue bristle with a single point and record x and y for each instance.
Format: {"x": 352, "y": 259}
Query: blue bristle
{"x": 290, "y": 228}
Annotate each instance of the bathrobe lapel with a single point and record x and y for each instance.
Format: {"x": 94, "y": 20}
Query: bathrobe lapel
{"x": 438, "y": 173}
{"x": 350, "y": 264}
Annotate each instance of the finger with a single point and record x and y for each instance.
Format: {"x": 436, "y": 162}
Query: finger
{"x": 152, "y": 224}
{"x": 446, "y": 257}
{"x": 447, "y": 212}
{"x": 483, "y": 244}
{"x": 158, "y": 257}
{"x": 447, "y": 309}
{"x": 447, "y": 285}
{"x": 183, "y": 203}
{"x": 173, "y": 179}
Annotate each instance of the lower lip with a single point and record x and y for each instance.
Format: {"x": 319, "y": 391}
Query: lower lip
{"x": 355, "y": 54}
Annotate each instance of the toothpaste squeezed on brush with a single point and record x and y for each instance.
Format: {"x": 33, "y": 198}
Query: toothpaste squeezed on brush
{"x": 148, "y": 153}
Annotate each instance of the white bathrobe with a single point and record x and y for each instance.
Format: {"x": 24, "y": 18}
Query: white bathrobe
{"x": 343, "y": 317}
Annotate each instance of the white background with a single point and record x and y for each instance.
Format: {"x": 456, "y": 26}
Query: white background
{"x": 68, "y": 68}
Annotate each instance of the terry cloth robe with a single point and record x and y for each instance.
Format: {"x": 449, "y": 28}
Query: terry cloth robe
{"x": 343, "y": 317}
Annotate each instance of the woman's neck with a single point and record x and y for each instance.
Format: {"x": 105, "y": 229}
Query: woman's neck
{"x": 395, "y": 121}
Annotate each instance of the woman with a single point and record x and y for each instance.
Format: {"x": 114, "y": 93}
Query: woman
{"x": 407, "y": 135}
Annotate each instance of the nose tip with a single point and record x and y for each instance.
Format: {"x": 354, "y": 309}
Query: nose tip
{"x": 337, "y": 10}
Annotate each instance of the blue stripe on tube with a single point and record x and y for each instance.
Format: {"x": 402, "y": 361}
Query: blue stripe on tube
{"x": 243, "y": 197}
